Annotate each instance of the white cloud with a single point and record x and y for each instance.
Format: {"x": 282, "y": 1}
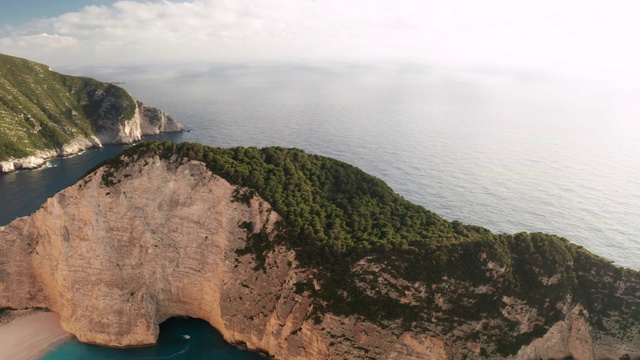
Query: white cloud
{"x": 579, "y": 37}
{"x": 38, "y": 41}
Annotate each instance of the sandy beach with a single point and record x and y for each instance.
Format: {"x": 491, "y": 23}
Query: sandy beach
{"x": 28, "y": 334}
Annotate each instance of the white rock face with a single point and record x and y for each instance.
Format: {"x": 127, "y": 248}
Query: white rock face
{"x": 570, "y": 337}
{"x": 29, "y": 162}
{"x": 79, "y": 145}
{"x": 7, "y": 166}
{"x": 145, "y": 121}
{"x": 76, "y": 146}
{"x": 116, "y": 261}
{"x": 154, "y": 121}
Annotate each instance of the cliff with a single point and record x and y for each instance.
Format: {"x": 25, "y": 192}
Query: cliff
{"x": 298, "y": 256}
{"x": 44, "y": 114}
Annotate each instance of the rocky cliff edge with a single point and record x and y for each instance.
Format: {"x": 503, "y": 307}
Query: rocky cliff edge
{"x": 45, "y": 114}
{"x": 169, "y": 238}
{"x": 109, "y": 127}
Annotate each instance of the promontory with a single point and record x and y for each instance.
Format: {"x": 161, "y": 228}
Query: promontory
{"x": 44, "y": 114}
{"x": 301, "y": 256}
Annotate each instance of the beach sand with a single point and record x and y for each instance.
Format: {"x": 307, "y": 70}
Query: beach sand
{"x": 29, "y": 334}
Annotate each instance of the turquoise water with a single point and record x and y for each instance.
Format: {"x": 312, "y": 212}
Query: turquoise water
{"x": 204, "y": 343}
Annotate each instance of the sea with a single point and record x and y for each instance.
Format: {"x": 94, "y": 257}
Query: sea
{"x": 508, "y": 150}
{"x": 179, "y": 339}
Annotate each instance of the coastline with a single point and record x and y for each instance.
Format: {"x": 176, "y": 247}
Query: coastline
{"x": 30, "y": 334}
{"x": 36, "y": 162}
{"x": 42, "y": 157}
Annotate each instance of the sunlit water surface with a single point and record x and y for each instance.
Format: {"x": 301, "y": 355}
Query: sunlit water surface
{"x": 506, "y": 151}
{"x": 511, "y": 152}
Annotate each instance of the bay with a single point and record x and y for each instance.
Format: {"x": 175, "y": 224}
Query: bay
{"x": 180, "y": 339}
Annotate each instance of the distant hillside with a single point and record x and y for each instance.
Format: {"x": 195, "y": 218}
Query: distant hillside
{"x": 45, "y": 114}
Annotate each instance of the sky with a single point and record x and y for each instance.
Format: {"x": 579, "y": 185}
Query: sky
{"x": 580, "y": 38}
{"x": 15, "y": 12}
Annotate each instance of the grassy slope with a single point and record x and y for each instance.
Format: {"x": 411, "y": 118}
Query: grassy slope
{"x": 42, "y": 109}
{"x": 336, "y": 215}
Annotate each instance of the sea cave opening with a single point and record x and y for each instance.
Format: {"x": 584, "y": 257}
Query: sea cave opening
{"x": 180, "y": 338}
{"x": 195, "y": 338}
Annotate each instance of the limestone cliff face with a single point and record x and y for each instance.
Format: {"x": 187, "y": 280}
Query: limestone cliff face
{"x": 154, "y": 121}
{"x": 40, "y": 158}
{"x": 167, "y": 239}
{"x": 570, "y": 337}
{"x": 111, "y": 127}
{"x": 46, "y": 114}
{"x": 115, "y": 262}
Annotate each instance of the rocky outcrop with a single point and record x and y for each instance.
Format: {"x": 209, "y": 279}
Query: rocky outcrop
{"x": 44, "y": 114}
{"x": 115, "y": 262}
{"x": 109, "y": 130}
{"x": 568, "y": 338}
{"x": 124, "y": 249}
{"x": 29, "y": 162}
{"x": 154, "y": 121}
{"x": 114, "y": 265}
{"x": 40, "y": 158}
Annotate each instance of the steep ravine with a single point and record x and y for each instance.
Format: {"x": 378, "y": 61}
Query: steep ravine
{"x": 126, "y": 248}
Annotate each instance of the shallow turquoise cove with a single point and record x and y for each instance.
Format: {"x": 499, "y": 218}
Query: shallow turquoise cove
{"x": 203, "y": 342}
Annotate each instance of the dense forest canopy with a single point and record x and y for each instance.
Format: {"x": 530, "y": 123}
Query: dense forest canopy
{"x": 335, "y": 215}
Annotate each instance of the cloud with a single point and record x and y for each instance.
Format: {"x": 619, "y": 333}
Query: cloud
{"x": 131, "y": 31}
{"x": 563, "y": 35}
{"x": 39, "y": 41}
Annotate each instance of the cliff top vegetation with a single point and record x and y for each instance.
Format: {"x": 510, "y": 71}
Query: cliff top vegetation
{"x": 42, "y": 109}
{"x": 381, "y": 257}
